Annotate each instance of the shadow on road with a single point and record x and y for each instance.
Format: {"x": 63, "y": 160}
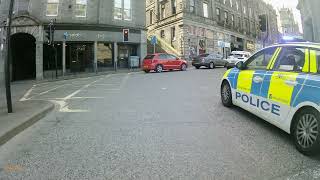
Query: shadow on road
{"x": 269, "y": 127}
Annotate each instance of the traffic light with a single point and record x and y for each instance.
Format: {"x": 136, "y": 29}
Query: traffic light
{"x": 263, "y": 22}
{"x": 125, "y": 35}
{"x": 48, "y": 34}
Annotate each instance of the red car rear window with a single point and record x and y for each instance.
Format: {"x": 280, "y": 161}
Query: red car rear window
{"x": 149, "y": 57}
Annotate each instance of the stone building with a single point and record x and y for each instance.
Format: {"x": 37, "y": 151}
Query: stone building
{"x": 88, "y": 36}
{"x": 288, "y": 25}
{"x": 190, "y": 27}
{"x": 310, "y": 19}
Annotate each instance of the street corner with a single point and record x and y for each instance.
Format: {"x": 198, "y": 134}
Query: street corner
{"x": 24, "y": 115}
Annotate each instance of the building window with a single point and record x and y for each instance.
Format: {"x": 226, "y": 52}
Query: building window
{"x": 174, "y": 6}
{"x": 250, "y": 12}
{"x": 232, "y": 20}
{"x": 218, "y": 14}
{"x": 224, "y": 1}
{"x": 52, "y": 8}
{"x": 226, "y": 17}
{"x": 151, "y": 17}
{"x": 205, "y": 9}
{"x": 127, "y": 10}
{"x": 81, "y": 8}
{"x": 163, "y": 11}
{"x": 239, "y": 22}
{"x": 118, "y": 9}
{"x": 192, "y": 6}
{"x": 244, "y": 10}
{"x": 247, "y": 26}
{"x": 237, "y": 5}
{"x": 122, "y": 10}
{"x": 231, "y": 3}
{"x": 162, "y": 35}
{"x": 173, "y": 33}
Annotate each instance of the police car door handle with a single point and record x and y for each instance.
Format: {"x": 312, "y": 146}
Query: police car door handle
{"x": 257, "y": 79}
{"x": 291, "y": 83}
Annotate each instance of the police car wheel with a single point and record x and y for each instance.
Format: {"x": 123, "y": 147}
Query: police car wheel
{"x": 306, "y": 132}
{"x": 197, "y": 67}
{"x": 226, "y": 95}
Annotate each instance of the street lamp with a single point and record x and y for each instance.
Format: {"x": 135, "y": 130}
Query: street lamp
{"x": 8, "y": 59}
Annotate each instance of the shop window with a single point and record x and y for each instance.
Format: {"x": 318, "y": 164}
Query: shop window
{"x": 81, "y": 8}
{"x": 52, "y": 7}
{"x": 105, "y": 55}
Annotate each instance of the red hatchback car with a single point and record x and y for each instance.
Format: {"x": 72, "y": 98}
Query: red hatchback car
{"x": 161, "y": 61}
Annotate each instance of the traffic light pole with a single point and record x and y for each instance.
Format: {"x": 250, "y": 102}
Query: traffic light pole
{"x": 8, "y": 60}
{"x": 267, "y": 30}
{"x": 55, "y": 53}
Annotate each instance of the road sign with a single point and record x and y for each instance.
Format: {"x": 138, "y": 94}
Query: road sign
{"x": 154, "y": 40}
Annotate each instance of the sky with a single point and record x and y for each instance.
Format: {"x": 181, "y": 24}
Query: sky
{"x": 288, "y": 4}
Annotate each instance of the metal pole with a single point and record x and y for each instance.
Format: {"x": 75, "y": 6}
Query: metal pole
{"x": 267, "y": 29}
{"x": 8, "y": 60}
{"x": 55, "y": 49}
{"x": 154, "y": 48}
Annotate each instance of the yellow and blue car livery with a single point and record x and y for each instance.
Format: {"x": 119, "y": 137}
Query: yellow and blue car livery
{"x": 276, "y": 91}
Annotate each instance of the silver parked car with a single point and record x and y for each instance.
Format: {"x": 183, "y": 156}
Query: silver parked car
{"x": 209, "y": 60}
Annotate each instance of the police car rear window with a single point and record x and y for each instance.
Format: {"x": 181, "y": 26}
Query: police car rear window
{"x": 291, "y": 59}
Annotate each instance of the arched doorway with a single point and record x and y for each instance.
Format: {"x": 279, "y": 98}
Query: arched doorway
{"x": 23, "y": 50}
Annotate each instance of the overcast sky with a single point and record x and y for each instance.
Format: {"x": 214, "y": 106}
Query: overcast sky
{"x": 289, "y": 4}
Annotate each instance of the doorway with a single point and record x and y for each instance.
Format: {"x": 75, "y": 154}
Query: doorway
{"x": 23, "y": 53}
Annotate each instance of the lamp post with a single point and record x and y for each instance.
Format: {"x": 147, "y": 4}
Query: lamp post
{"x": 8, "y": 59}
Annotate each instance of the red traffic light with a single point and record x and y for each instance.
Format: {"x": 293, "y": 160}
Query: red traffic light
{"x": 125, "y": 35}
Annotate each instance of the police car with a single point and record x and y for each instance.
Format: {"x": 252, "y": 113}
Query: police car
{"x": 280, "y": 84}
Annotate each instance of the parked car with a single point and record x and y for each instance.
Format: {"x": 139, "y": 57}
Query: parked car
{"x": 162, "y": 61}
{"x": 237, "y": 56}
{"x": 209, "y": 60}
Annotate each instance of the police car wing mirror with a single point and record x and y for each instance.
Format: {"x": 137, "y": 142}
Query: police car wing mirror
{"x": 240, "y": 65}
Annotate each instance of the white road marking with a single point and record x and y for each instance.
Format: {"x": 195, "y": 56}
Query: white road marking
{"x": 105, "y": 84}
{"x": 164, "y": 88}
{"x": 64, "y": 107}
{"x": 25, "y": 97}
{"x": 124, "y": 81}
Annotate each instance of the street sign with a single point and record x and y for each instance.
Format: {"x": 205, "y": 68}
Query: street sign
{"x": 154, "y": 40}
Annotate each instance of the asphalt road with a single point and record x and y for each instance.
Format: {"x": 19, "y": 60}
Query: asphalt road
{"x": 149, "y": 126}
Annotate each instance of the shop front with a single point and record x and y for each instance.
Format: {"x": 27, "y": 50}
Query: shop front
{"x": 87, "y": 51}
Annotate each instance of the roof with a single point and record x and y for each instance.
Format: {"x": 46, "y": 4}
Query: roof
{"x": 241, "y": 52}
{"x": 306, "y": 44}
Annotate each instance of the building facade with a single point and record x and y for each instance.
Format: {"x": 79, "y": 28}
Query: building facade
{"x": 310, "y": 19}
{"x": 88, "y": 36}
{"x": 288, "y": 25}
{"x": 191, "y": 27}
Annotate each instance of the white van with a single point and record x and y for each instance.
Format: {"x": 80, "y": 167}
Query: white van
{"x": 237, "y": 56}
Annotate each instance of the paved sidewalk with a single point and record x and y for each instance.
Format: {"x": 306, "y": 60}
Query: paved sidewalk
{"x": 25, "y": 114}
